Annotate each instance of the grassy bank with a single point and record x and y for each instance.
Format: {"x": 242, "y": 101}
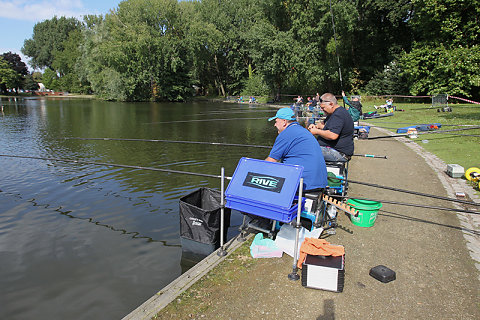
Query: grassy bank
{"x": 454, "y": 147}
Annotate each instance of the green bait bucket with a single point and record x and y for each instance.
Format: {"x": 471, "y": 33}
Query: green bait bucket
{"x": 367, "y": 212}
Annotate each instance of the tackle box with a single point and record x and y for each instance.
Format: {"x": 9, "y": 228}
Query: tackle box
{"x": 324, "y": 272}
{"x": 265, "y": 189}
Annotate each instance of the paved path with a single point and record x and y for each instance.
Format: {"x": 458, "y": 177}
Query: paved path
{"x": 430, "y": 250}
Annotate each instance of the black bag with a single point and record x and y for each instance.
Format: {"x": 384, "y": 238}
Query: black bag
{"x": 200, "y": 217}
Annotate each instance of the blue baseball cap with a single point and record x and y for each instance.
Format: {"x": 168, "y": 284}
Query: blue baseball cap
{"x": 284, "y": 113}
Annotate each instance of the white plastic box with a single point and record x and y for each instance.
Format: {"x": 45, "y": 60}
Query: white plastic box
{"x": 455, "y": 170}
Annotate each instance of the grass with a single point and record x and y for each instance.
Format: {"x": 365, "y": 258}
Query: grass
{"x": 453, "y": 148}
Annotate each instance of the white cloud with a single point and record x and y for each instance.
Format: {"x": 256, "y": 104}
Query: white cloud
{"x": 40, "y": 10}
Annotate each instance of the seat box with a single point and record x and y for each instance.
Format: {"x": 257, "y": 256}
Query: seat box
{"x": 266, "y": 189}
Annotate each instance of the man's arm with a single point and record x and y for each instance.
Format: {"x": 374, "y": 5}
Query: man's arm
{"x": 345, "y": 99}
{"x": 326, "y": 134}
{"x": 271, "y": 159}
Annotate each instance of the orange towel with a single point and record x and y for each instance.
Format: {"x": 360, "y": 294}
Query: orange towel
{"x": 318, "y": 247}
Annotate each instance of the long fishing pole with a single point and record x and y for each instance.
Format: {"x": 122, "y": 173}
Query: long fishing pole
{"x": 421, "y": 133}
{"x": 423, "y": 124}
{"x": 115, "y": 165}
{"x": 336, "y": 49}
{"x": 203, "y": 120}
{"x": 411, "y": 204}
{"x": 174, "y": 141}
{"x": 444, "y": 131}
{"x": 219, "y": 176}
{"x": 408, "y": 191}
{"x": 206, "y": 143}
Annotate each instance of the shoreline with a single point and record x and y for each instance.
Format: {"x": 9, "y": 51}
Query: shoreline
{"x": 469, "y": 227}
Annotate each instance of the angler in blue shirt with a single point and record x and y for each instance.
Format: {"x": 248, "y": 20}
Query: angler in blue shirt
{"x": 296, "y": 145}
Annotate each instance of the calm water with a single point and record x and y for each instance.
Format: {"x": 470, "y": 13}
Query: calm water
{"x": 94, "y": 242}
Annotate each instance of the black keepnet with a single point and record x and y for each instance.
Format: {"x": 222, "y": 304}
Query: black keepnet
{"x": 200, "y": 216}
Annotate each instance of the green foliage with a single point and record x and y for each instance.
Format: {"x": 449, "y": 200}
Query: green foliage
{"x": 48, "y": 38}
{"x": 37, "y": 76}
{"x": 138, "y": 54}
{"x": 50, "y": 79}
{"x": 159, "y": 49}
{"x": 8, "y": 77}
{"x": 388, "y": 82}
{"x": 255, "y": 86}
{"x": 13, "y": 73}
{"x": 436, "y": 69}
{"x": 29, "y": 83}
{"x": 452, "y": 22}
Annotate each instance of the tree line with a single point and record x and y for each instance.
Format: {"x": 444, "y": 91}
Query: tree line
{"x": 169, "y": 50}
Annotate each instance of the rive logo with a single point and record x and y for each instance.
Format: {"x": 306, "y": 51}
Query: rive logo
{"x": 264, "y": 182}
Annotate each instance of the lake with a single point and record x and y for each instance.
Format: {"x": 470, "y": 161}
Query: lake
{"x": 84, "y": 241}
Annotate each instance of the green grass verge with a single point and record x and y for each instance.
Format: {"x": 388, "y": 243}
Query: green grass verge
{"x": 453, "y": 148}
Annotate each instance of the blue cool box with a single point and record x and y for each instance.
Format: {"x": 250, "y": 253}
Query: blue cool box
{"x": 366, "y": 128}
{"x": 265, "y": 189}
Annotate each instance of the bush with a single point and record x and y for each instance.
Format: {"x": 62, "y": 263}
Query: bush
{"x": 387, "y": 82}
{"x": 255, "y": 86}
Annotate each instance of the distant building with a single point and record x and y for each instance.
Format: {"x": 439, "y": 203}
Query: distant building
{"x": 41, "y": 87}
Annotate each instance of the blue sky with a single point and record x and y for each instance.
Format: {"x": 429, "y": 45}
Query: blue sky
{"x": 17, "y": 17}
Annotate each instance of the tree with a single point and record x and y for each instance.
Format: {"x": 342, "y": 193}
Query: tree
{"x": 137, "y": 54}
{"x": 391, "y": 80}
{"x": 446, "y": 51}
{"x": 452, "y": 23}
{"x": 8, "y": 77}
{"x": 50, "y": 79}
{"x": 16, "y": 63}
{"x": 49, "y": 38}
{"x": 436, "y": 69}
{"x": 18, "y": 66}
{"x": 29, "y": 83}
{"x": 381, "y": 31}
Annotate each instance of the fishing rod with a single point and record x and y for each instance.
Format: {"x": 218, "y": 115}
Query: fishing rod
{"x": 115, "y": 165}
{"x": 408, "y": 191}
{"x": 395, "y": 128}
{"x": 206, "y": 143}
{"x": 423, "y": 124}
{"x": 234, "y": 111}
{"x": 228, "y": 178}
{"x": 336, "y": 49}
{"x": 203, "y": 120}
{"x": 174, "y": 141}
{"x": 459, "y": 135}
{"x": 412, "y": 204}
{"x": 421, "y": 133}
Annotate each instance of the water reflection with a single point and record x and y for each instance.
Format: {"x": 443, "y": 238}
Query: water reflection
{"x": 56, "y": 261}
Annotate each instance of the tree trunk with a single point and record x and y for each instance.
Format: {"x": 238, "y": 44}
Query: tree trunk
{"x": 220, "y": 83}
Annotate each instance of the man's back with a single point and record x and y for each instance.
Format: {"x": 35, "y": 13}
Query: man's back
{"x": 296, "y": 145}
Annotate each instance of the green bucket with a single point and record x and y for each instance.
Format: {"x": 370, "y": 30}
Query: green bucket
{"x": 367, "y": 212}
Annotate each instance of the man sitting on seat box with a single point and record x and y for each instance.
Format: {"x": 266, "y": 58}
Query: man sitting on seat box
{"x": 335, "y": 136}
{"x": 295, "y": 145}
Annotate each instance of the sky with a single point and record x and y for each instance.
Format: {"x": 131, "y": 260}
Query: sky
{"x": 17, "y": 17}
